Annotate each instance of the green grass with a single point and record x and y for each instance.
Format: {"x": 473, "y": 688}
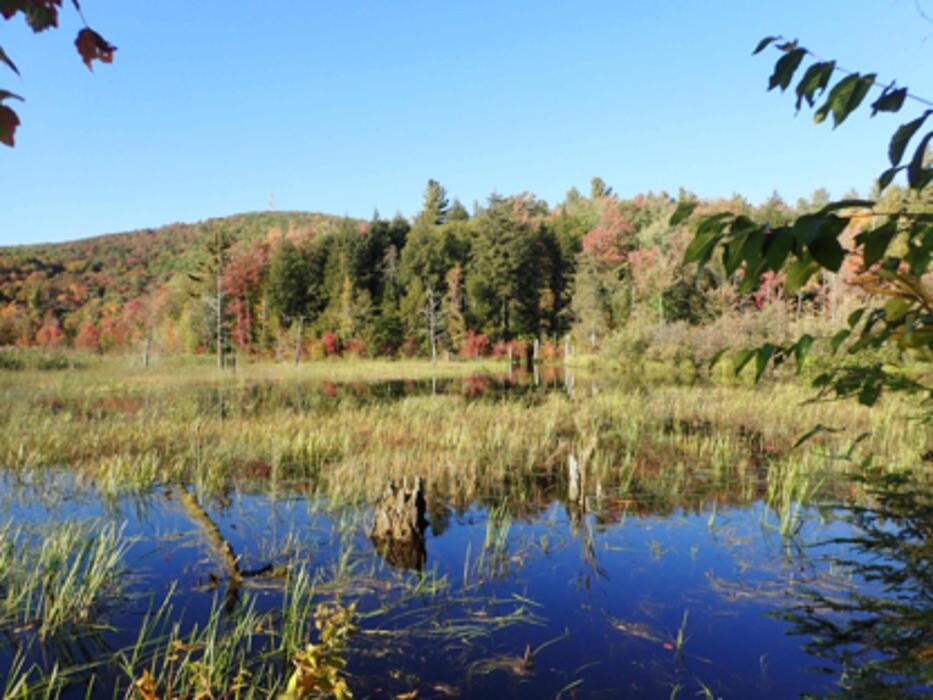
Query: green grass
{"x": 127, "y": 429}
{"x": 60, "y": 576}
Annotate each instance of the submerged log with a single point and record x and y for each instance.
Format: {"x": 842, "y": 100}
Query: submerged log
{"x": 217, "y": 542}
{"x": 399, "y": 524}
{"x": 220, "y": 546}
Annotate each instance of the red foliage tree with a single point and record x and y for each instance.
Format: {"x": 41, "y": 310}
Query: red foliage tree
{"x": 88, "y": 338}
{"x": 612, "y": 238}
{"x": 50, "y": 334}
{"x": 475, "y": 345}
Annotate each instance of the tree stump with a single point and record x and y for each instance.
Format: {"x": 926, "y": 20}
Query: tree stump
{"x": 399, "y": 523}
{"x": 573, "y": 478}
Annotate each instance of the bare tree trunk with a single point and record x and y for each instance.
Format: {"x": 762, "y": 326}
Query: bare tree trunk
{"x": 146, "y": 349}
{"x": 301, "y": 332}
{"x": 432, "y": 324}
{"x": 220, "y": 307}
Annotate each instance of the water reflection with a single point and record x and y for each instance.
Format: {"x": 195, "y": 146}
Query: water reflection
{"x": 258, "y": 398}
{"x": 875, "y": 624}
{"x": 616, "y": 587}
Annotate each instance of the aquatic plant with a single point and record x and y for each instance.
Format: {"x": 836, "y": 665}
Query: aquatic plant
{"x": 60, "y": 576}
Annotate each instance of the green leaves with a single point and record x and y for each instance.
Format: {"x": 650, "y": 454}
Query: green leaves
{"x": 785, "y": 67}
{"x": 902, "y": 136}
{"x": 838, "y": 339}
{"x": 891, "y": 100}
{"x": 763, "y": 44}
{"x": 875, "y": 242}
{"x": 845, "y": 97}
{"x": 769, "y": 353}
{"x": 708, "y": 234}
{"x": 777, "y": 247}
{"x": 799, "y": 272}
{"x": 918, "y": 174}
{"x": 682, "y": 213}
{"x": 896, "y": 253}
{"x": 815, "y": 79}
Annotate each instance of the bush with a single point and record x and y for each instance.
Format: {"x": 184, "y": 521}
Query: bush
{"x": 331, "y": 344}
{"x": 18, "y": 359}
{"x": 475, "y": 345}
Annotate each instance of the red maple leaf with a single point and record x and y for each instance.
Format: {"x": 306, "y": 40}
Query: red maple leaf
{"x": 8, "y": 123}
{"x": 92, "y": 45}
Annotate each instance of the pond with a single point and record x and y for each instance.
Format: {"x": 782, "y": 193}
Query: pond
{"x": 602, "y": 584}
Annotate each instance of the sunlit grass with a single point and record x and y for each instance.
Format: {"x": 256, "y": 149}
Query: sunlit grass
{"x": 59, "y": 576}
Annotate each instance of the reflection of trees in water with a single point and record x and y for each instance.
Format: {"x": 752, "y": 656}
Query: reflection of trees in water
{"x": 880, "y": 630}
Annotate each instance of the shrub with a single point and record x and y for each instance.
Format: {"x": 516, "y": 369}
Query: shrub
{"x": 475, "y": 345}
{"x": 331, "y": 344}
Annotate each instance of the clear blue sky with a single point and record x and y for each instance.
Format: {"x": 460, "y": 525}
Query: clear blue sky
{"x": 344, "y": 106}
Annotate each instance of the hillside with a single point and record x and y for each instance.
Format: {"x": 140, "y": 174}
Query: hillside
{"x": 601, "y": 268}
{"x": 62, "y": 279}
{"x": 127, "y": 263}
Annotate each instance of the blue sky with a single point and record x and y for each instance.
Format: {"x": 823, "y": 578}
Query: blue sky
{"x": 346, "y": 107}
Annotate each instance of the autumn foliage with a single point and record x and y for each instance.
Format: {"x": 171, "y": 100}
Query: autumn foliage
{"x": 306, "y": 286}
{"x": 41, "y": 15}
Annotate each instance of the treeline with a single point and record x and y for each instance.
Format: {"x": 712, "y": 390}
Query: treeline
{"x": 447, "y": 281}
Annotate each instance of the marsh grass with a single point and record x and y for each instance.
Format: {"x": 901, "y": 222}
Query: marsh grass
{"x": 60, "y": 576}
{"x": 120, "y": 430}
{"x": 123, "y": 436}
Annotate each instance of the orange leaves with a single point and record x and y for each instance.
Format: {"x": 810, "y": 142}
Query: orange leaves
{"x": 146, "y": 687}
{"x": 92, "y": 46}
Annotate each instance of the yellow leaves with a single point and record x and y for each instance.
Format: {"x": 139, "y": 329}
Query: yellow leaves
{"x": 319, "y": 667}
{"x": 146, "y": 687}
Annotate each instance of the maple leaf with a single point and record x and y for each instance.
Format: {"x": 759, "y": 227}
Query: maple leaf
{"x": 8, "y": 119}
{"x": 92, "y": 45}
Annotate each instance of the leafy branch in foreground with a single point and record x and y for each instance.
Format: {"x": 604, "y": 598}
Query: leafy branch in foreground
{"x": 41, "y": 15}
{"x": 895, "y": 246}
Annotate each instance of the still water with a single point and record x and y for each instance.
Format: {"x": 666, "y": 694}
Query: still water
{"x": 600, "y": 597}
{"x": 538, "y": 588}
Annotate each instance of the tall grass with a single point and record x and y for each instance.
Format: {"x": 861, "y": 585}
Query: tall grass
{"x": 59, "y": 577}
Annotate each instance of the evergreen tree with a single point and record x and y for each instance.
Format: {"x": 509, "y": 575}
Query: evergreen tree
{"x": 434, "y": 209}
{"x": 502, "y": 284}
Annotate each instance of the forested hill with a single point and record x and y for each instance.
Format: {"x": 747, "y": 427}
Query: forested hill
{"x": 86, "y": 279}
{"x": 142, "y": 256}
{"x": 600, "y": 267}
